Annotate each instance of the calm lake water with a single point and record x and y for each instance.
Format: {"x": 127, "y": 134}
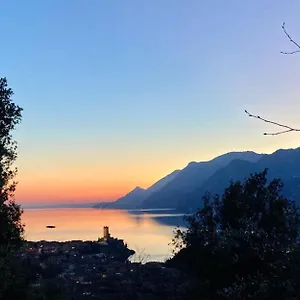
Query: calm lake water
{"x": 148, "y": 232}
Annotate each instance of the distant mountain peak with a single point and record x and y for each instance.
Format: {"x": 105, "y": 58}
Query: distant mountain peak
{"x": 287, "y": 150}
{"x": 247, "y": 155}
{"x": 192, "y": 163}
{"x": 134, "y": 198}
{"x": 138, "y": 188}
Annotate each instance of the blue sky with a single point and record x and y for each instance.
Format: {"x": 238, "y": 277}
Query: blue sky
{"x": 119, "y": 93}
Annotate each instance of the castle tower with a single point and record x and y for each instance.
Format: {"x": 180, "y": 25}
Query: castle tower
{"x": 106, "y": 234}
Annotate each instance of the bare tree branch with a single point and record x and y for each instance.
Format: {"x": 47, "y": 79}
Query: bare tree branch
{"x": 288, "y": 128}
{"x": 293, "y": 52}
{"x": 291, "y": 40}
{"x": 140, "y": 256}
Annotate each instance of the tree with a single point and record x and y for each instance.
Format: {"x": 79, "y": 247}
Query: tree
{"x": 241, "y": 244}
{"x": 11, "y": 228}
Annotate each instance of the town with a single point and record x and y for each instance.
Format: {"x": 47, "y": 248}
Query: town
{"x": 98, "y": 270}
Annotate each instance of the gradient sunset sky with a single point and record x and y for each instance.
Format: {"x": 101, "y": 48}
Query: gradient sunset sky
{"x": 120, "y": 93}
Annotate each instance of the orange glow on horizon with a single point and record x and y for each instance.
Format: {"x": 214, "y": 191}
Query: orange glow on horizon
{"x": 85, "y": 184}
{"x": 80, "y": 184}
{"x": 44, "y": 193}
{"x": 73, "y": 194}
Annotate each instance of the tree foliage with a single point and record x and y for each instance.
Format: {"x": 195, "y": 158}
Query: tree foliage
{"x": 11, "y": 228}
{"x": 243, "y": 244}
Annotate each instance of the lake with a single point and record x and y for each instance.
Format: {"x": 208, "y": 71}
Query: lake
{"x": 149, "y": 233}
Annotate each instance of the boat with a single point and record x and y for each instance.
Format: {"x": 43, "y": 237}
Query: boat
{"x": 50, "y": 226}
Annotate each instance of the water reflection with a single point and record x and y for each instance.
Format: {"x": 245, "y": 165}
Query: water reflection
{"x": 167, "y": 217}
{"x": 167, "y": 220}
{"x": 174, "y": 221}
{"x": 148, "y": 230}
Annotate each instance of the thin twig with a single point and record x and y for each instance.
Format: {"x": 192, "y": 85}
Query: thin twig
{"x": 291, "y": 40}
{"x": 293, "y": 52}
{"x": 288, "y": 128}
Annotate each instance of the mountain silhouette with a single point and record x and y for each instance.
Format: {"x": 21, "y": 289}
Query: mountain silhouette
{"x": 134, "y": 198}
{"x": 131, "y": 200}
{"x": 183, "y": 189}
{"x": 283, "y": 164}
{"x": 191, "y": 178}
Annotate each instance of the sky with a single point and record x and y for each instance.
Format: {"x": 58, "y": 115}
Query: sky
{"x": 118, "y": 94}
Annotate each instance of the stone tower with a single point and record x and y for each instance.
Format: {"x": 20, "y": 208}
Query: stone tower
{"x": 106, "y": 234}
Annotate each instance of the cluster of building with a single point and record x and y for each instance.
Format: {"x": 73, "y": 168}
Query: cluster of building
{"x": 91, "y": 269}
{"x": 104, "y": 245}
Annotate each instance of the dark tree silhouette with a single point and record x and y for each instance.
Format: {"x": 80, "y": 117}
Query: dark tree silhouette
{"x": 11, "y": 228}
{"x": 240, "y": 245}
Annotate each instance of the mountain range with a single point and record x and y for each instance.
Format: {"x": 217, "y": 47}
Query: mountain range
{"x": 134, "y": 199}
{"x": 183, "y": 189}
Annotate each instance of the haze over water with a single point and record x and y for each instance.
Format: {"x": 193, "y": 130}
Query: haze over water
{"x": 151, "y": 233}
